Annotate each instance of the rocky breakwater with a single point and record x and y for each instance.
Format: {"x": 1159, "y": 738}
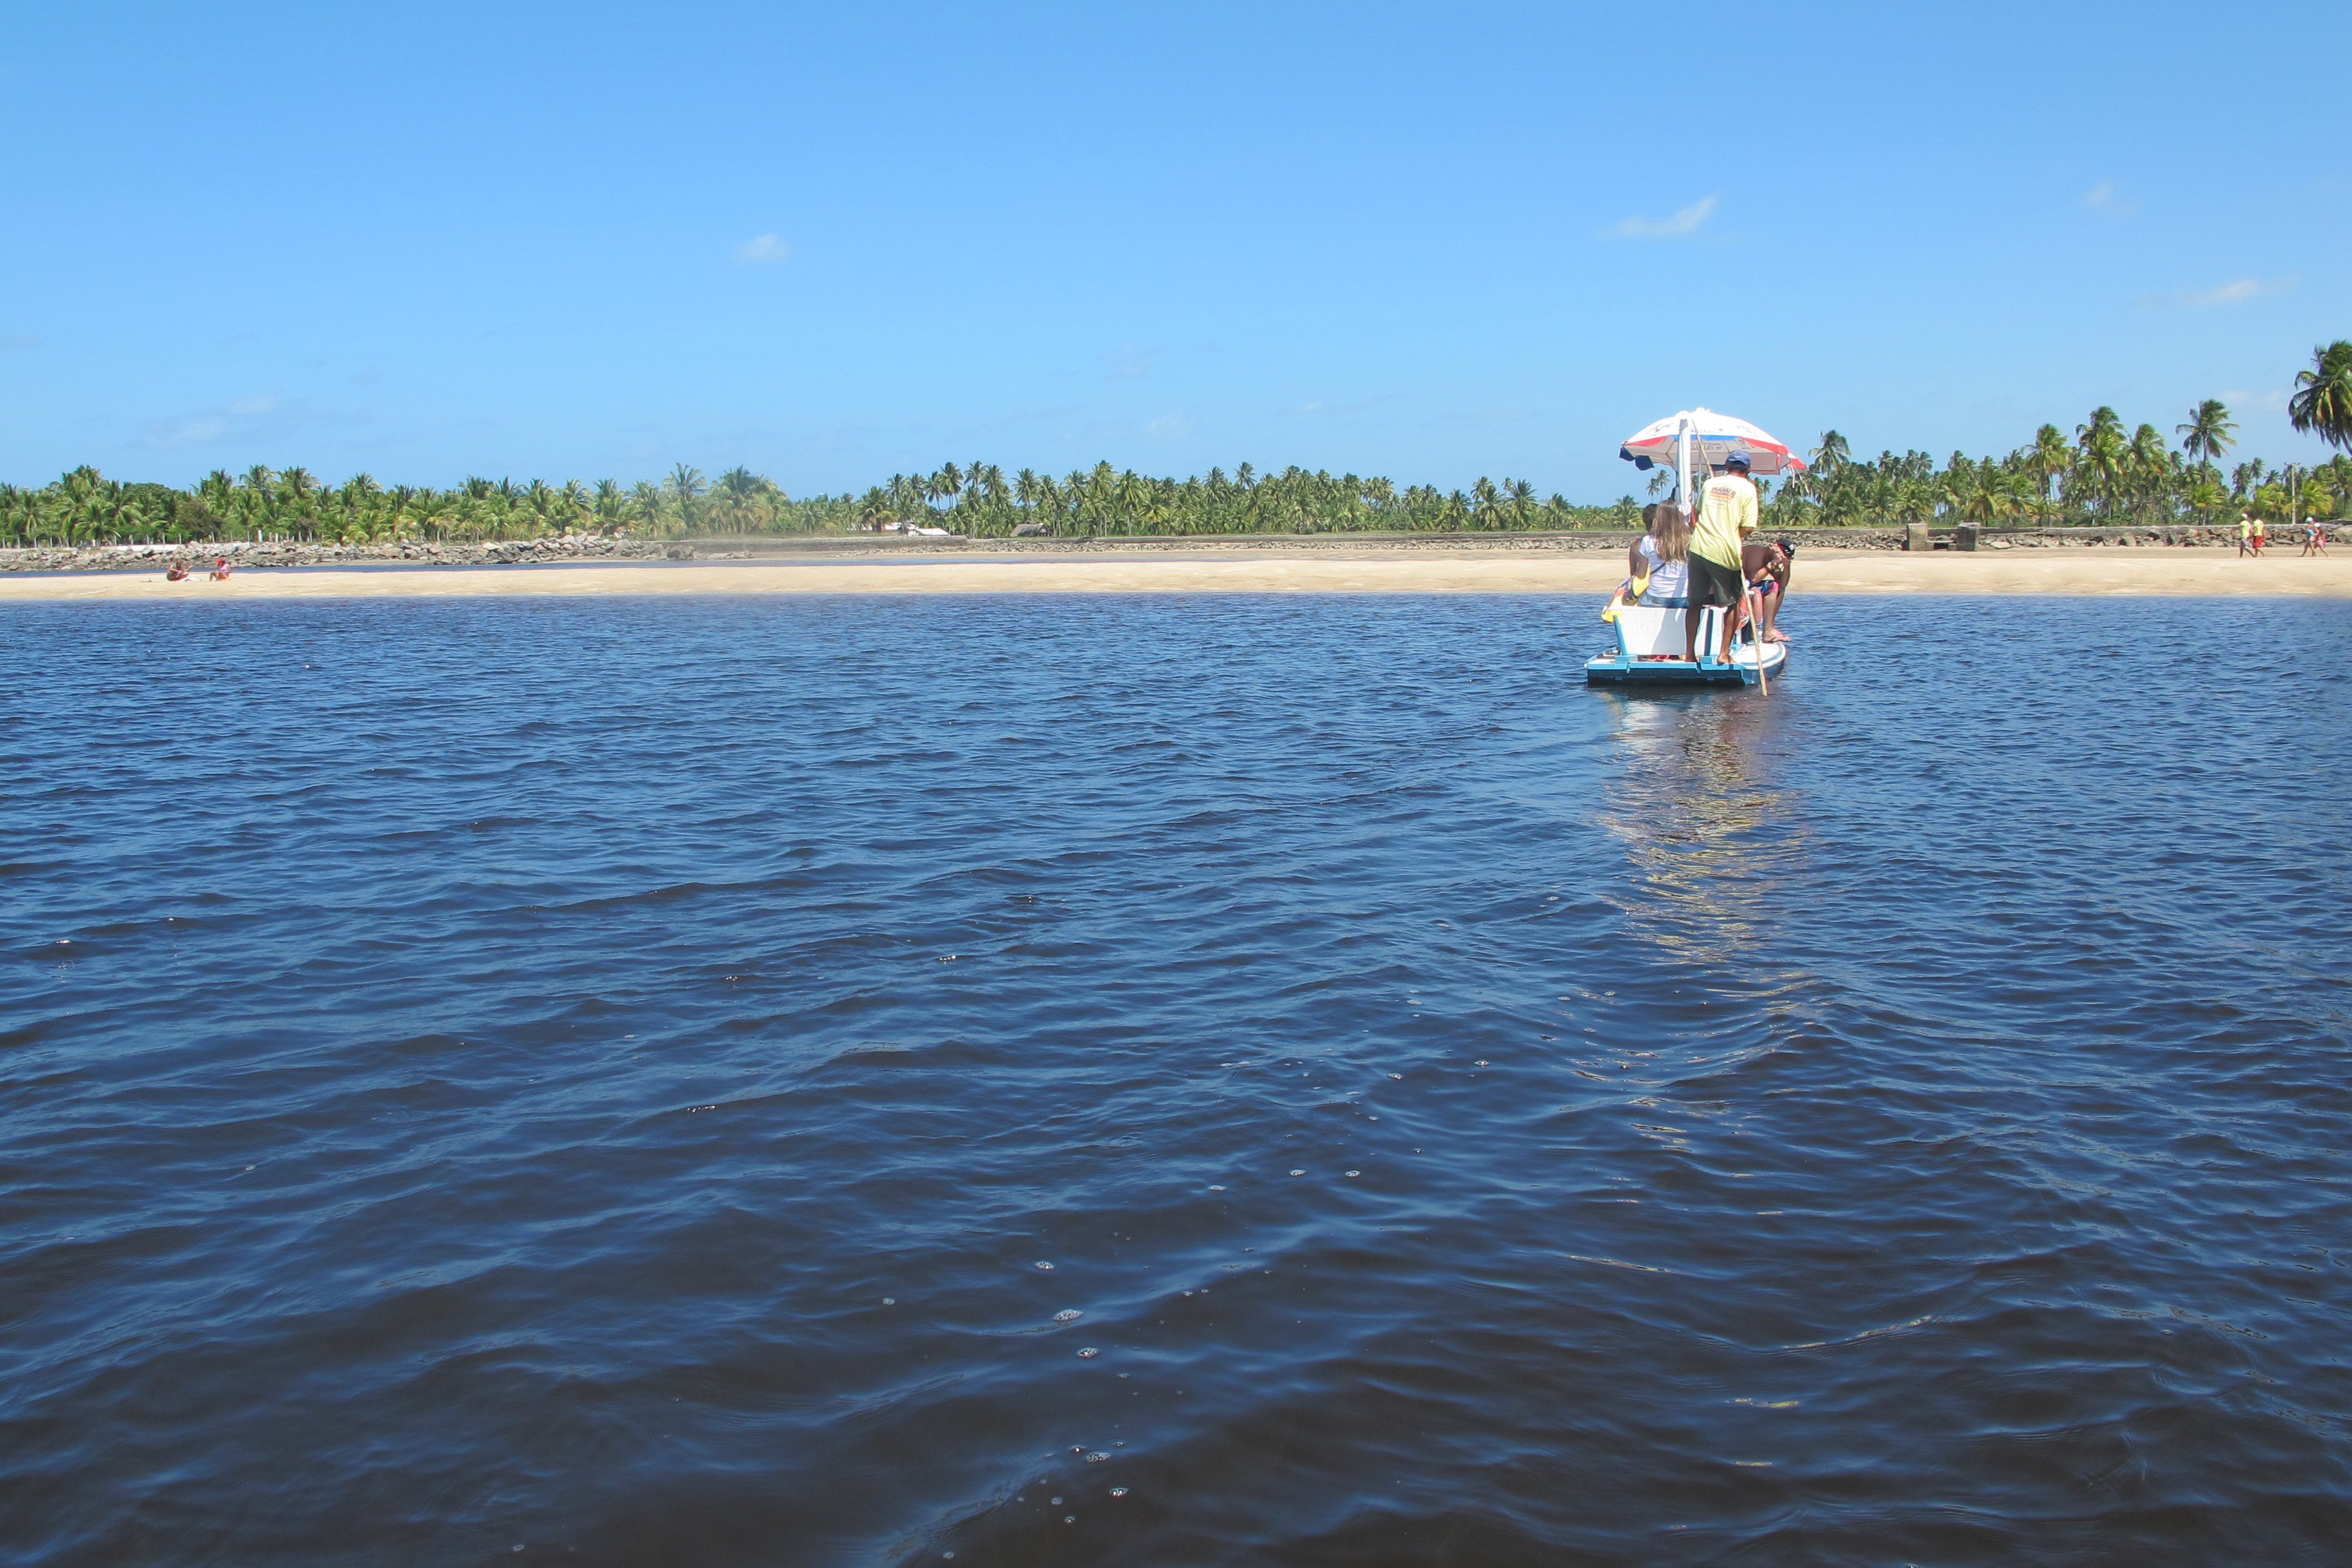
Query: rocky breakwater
{"x": 245, "y": 555}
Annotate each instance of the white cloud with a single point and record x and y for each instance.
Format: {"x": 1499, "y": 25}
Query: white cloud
{"x": 2234, "y": 293}
{"x": 764, "y": 250}
{"x": 246, "y": 419}
{"x": 1129, "y": 362}
{"x": 184, "y": 432}
{"x": 1317, "y": 406}
{"x": 1682, "y": 225}
{"x": 2108, "y": 197}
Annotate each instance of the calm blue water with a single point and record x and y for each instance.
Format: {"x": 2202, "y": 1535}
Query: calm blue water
{"x": 603, "y": 1082}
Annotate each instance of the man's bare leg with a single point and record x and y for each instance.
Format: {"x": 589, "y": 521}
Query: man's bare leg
{"x": 1691, "y": 619}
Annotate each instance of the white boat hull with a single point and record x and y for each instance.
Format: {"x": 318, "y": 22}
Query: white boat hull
{"x": 1649, "y": 652}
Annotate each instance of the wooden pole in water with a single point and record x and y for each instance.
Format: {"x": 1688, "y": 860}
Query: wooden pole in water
{"x": 1755, "y": 637}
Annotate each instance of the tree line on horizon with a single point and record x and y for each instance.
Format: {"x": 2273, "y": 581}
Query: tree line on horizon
{"x": 2104, "y": 474}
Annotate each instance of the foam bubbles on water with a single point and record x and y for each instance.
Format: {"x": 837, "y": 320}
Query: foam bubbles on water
{"x": 1068, "y": 1315}
{"x": 1088, "y": 1353}
{"x": 1047, "y": 1267}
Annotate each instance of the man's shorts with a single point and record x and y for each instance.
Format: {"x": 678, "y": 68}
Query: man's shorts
{"x": 1714, "y": 585}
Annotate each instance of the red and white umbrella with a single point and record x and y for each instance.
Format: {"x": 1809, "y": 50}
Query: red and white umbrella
{"x": 1711, "y": 438}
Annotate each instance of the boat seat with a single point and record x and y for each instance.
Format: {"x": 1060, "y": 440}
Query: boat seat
{"x": 1649, "y": 631}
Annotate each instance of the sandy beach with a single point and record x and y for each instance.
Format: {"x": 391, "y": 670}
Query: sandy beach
{"x": 2174, "y": 572}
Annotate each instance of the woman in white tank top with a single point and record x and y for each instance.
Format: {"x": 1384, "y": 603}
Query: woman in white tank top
{"x": 1665, "y": 548}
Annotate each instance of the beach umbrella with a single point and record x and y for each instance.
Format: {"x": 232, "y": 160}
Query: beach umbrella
{"x": 1713, "y": 439}
{"x": 1703, "y": 436}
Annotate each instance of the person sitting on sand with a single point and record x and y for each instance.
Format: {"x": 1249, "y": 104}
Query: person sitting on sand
{"x": 1726, "y": 515}
{"x": 1664, "y": 554}
{"x": 220, "y": 570}
{"x": 176, "y": 572}
{"x": 1767, "y": 569}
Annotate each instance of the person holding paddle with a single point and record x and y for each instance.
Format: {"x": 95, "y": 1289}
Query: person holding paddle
{"x": 1727, "y": 511}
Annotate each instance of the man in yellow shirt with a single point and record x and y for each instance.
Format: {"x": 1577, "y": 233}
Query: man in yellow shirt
{"x": 1726, "y": 516}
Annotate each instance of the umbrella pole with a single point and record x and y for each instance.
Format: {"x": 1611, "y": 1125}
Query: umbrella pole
{"x": 1681, "y": 474}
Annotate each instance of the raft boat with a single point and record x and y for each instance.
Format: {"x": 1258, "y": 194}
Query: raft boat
{"x": 1649, "y": 652}
{"x": 1651, "y": 639}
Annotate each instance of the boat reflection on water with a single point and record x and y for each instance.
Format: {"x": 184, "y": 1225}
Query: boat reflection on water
{"x": 1712, "y": 835}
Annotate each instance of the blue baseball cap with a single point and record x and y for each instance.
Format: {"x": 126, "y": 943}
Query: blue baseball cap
{"x": 1739, "y": 457}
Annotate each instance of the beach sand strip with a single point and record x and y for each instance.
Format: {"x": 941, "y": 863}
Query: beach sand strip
{"x": 2166, "y": 572}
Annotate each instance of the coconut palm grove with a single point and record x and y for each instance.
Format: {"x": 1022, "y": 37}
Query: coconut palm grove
{"x": 2103, "y": 474}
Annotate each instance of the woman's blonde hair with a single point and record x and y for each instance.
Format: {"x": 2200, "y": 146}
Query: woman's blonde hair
{"x": 1672, "y": 530}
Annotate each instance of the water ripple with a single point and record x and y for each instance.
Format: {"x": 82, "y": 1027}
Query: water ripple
{"x": 1167, "y": 1081}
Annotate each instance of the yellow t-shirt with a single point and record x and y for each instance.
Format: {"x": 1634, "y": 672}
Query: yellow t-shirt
{"x": 1727, "y": 514}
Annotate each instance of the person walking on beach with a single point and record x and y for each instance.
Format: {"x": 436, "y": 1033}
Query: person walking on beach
{"x": 2245, "y": 534}
{"x": 2260, "y": 529}
{"x": 1726, "y": 516}
{"x": 2314, "y": 538}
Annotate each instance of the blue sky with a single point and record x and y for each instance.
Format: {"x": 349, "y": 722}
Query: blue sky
{"x": 584, "y": 241}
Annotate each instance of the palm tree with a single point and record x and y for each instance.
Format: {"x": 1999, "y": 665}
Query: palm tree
{"x": 610, "y": 505}
{"x": 646, "y": 504}
{"x": 2048, "y": 460}
{"x": 2147, "y": 461}
{"x": 2103, "y": 451}
{"x": 686, "y": 487}
{"x": 1519, "y": 502}
{"x": 1832, "y": 454}
{"x": 2206, "y": 495}
{"x": 2208, "y": 432}
{"x": 2323, "y": 395}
